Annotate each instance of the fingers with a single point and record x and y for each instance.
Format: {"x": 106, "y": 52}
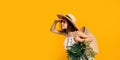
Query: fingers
{"x": 58, "y": 20}
{"x": 77, "y": 38}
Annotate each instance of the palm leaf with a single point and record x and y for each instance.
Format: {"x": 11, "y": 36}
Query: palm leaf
{"x": 80, "y": 50}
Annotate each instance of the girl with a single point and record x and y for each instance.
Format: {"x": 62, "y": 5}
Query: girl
{"x": 70, "y": 30}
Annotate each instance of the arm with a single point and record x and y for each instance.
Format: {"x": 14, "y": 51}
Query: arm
{"x": 54, "y": 30}
{"x": 80, "y": 37}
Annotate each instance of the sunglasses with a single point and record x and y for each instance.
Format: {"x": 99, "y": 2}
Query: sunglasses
{"x": 63, "y": 21}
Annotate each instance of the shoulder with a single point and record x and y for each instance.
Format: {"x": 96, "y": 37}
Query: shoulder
{"x": 63, "y": 33}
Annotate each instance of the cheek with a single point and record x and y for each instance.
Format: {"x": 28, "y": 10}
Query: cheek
{"x": 62, "y": 24}
{"x": 65, "y": 25}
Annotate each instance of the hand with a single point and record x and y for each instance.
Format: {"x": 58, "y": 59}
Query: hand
{"x": 78, "y": 39}
{"x": 58, "y": 20}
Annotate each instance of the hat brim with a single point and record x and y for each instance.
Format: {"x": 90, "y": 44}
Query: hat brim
{"x": 60, "y": 16}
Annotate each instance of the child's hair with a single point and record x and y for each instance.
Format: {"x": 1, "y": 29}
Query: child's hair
{"x": 69, "y": 26}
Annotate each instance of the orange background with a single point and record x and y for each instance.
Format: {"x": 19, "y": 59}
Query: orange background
{"x": 25, "y": 27}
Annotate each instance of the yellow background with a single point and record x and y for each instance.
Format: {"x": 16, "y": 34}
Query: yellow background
{"x": 25, "y": 27}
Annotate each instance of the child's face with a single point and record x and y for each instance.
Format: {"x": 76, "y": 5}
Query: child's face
{"x": 64, "y": 24}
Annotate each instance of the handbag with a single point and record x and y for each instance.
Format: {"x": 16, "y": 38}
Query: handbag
{"x": 93, "y": 44}
{"x": 83, "y": 50}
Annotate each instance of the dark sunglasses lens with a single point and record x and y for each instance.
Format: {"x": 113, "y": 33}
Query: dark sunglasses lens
{"x": 63, "y": 21}
{"x": 63, "y": 18}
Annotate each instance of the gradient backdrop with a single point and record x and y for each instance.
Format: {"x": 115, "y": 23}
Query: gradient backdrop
{"x": 25, "y": 27}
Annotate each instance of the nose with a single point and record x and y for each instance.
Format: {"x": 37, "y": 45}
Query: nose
{"x": 62, "y": 23}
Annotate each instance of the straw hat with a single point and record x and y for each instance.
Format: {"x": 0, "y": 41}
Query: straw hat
{"x": 69, "y": 17}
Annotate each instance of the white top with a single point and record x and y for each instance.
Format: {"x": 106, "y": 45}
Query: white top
{"x": 69, "y": 41}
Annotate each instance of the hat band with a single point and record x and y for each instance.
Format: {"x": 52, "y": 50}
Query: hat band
{"x": 68, "y": 16}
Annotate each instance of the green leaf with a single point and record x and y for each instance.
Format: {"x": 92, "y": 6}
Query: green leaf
{"x": 81, "y": 50}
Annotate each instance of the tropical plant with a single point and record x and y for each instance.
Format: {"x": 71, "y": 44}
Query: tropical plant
{"x": 80, "y": 50}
